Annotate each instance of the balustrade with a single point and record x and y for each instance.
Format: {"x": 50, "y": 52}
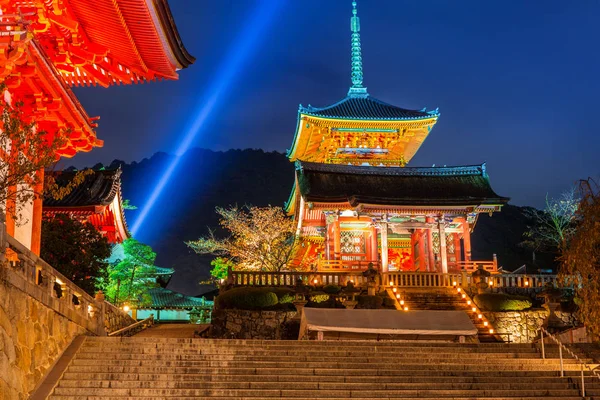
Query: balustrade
{"x": 399, "y": 279}
{"x": 28, "y": 272}
{"x": 346, "y": 265}
{"x": 521, "y": 280}
{"x": 288, "y": 278}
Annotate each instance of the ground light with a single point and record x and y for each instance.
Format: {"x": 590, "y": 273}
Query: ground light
{"x": 241, "y": 53}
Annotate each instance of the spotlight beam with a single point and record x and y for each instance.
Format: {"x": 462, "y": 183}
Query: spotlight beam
{"x": 239, "y": 55}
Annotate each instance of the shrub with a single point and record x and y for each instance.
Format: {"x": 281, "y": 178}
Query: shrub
{"x": 389, "y": 303}
{"x": 284, "y": 295}
{"x": 248, "y": 298}
{"x": 319, "y": 298}
{"x": 502, "y": 302}
{"x": 332, "y": 289}
{"x": 369, "y": 302}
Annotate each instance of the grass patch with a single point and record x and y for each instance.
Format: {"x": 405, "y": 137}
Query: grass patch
{"x": 248, "y": 298}
{"x": 502, "y": 302}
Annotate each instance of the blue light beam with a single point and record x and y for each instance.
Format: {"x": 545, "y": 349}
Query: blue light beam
{"x": 248, "y": 40}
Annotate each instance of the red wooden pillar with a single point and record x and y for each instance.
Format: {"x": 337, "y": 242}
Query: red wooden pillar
{"x": 36, "y": 223}
{"x": 432, "y": 266}
{"x": 423, "y": 258}
{"x": 467, "y": 240}
{"x": 337, "y": 248}
{"x": 374, "y": 251}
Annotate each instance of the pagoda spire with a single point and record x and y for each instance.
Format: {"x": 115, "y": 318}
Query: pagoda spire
{"x": 357, "y": 89}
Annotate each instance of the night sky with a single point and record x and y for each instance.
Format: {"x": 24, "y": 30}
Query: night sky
{"x": 516, "y": 83}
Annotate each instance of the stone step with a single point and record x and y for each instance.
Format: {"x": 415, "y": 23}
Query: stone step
{"x": 245, "y": 342}
{"x": 315, "y": 394}
{"x": 315, "y": 356}
{"x": 342, "y": 364}
{"x": 302, "y": 398}
{"x": 537, "y": 370}
{"x": 424, "y": 378}
{"x": 429, "y": 357}
{"x": 125, "y": 384}
{"x": 284, "y": 380}
{"x": 327, "y": 345}
{"x": 126, "y": 368}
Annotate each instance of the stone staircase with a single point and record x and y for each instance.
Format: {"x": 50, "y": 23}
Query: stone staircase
{"x": 162, "y": 368}
{"x": 445, "y": 299}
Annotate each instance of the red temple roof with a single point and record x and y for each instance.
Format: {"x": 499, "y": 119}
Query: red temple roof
{"x": 97, "y": 200}
{"x": 47, "y": 45}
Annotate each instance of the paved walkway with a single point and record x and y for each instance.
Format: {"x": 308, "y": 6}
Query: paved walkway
{"x": 173, "y": 331}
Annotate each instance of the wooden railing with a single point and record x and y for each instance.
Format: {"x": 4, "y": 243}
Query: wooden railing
{"x": 346, "y": 265}
{"x": 424, "y": 279}
{"x": 260, "y": 278}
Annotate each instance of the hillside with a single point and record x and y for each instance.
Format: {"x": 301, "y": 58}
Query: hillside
{"x": 206, "y": 179}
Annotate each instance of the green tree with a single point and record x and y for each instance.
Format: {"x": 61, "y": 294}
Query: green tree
{"x": 581, "y": 256}
{"x": 220, "y": 266}
{"x": 131, "y": 274}
{"x": 77, "y": 250}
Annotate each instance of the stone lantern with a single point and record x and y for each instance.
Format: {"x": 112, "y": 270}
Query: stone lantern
{"x": 371, "y": 274}
{"x": 300, "y": 291}
{"x": 480, "y": 278}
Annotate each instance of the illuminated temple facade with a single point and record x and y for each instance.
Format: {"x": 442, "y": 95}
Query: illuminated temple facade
{"x": 48, "y": 46}
{"x": 356, "y": 202}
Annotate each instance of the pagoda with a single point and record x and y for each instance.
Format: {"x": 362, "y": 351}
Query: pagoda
{"x": 355, "y": 201}
{"x": 97, "y": 200}
{"x": 48, "y": 46}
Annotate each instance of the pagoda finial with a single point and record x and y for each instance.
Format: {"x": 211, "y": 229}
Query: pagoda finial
{"x": 357, "y": 88}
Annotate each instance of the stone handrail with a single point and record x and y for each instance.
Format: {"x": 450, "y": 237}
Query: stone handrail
{"x": 288, "y": 278}
{"x": 521, "y": 280}
{"x": 472, "y": 266}
{"x": 145, "y": 323}
{"x": 29, "y": 273}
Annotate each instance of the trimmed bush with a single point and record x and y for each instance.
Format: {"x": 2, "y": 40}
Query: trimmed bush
{"x": 248, "y": 298}
{"x": 502, "y": 302}
{"x": 319, "y": 298}
{"x": 332, "y": 289}
{"x": 369, "y": 302}
{"x": 389, "y": 303}
{"x": 284, "y": 295}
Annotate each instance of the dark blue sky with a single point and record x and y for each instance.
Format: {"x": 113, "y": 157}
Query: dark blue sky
{"x": 516, "y": 82}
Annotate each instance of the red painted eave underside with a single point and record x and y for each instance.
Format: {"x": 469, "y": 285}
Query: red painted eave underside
{"x": 126, "y": 28}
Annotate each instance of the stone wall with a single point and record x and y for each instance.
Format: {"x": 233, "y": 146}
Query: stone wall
{"x": 32, "y": 336}
{"x": 241, "y": 324}
{"x": 523, "y": 326}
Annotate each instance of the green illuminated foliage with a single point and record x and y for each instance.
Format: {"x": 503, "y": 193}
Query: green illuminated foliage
{"x": 131, "y": 274}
